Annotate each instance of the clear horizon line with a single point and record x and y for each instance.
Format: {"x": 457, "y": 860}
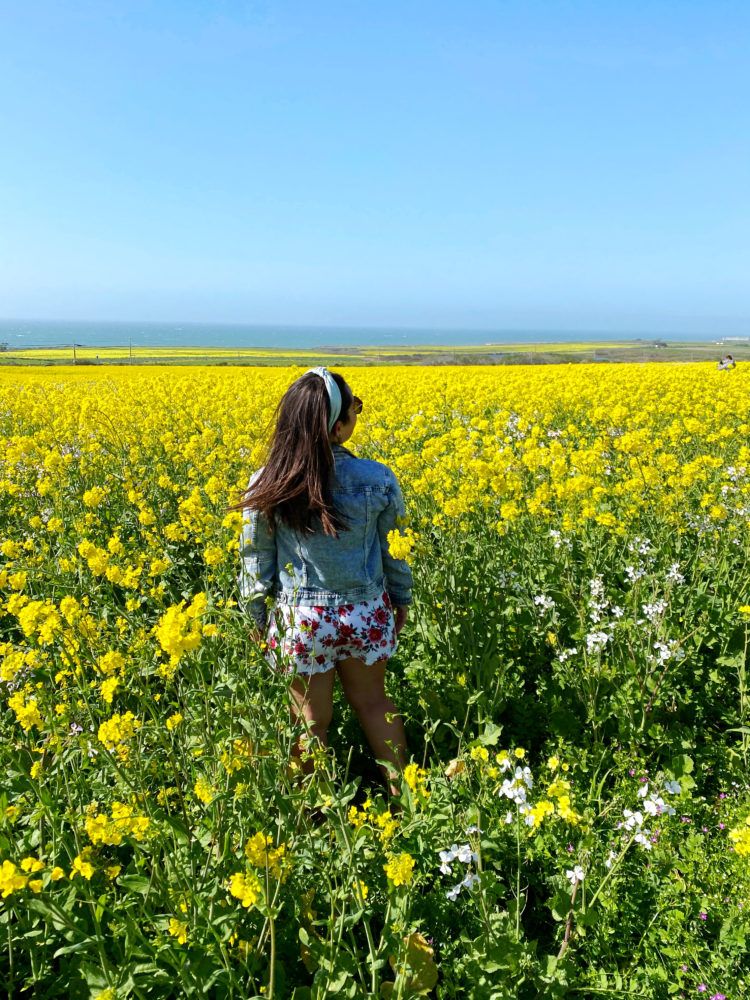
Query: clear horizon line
{"x": 597, "y": 331}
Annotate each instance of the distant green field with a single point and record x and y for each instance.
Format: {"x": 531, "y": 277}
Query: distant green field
{"x": 518, "y": 353}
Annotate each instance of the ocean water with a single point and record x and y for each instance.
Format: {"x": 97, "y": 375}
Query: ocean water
{"x": 23, "y": 334}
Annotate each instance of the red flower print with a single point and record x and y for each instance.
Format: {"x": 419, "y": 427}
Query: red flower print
{"x": 315, "y": 638}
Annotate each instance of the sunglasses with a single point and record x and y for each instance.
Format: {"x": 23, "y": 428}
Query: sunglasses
{"x": 357, "y": 404}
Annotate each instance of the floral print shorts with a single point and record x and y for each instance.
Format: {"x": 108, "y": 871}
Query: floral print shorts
{"x": 311, "y": 640}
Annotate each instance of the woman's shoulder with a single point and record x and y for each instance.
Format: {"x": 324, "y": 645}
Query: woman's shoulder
{"x": 365, "y": 471}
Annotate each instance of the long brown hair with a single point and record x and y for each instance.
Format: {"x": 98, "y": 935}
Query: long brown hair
{"x": 295, "y": 482}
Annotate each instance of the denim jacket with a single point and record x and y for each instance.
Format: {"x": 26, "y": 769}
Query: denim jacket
{"x": 316, "y": 569}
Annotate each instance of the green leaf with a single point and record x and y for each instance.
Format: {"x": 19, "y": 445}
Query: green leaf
{"x": 682, "y": 765}
{"x": 560, "y": 904}
{"x": 135, "y": 883}
{"x": 491, "y": 735}
{"x": 178, "y": 827}
{"x": 94, "y": 976}
{"x": 70, "y": 949}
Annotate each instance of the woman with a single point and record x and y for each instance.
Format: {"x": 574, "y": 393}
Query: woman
{"x": 314, "y": 539}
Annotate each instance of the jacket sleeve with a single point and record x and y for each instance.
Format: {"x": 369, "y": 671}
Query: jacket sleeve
{"x": 258, "y": 565}
{"x": 398, "y": 575}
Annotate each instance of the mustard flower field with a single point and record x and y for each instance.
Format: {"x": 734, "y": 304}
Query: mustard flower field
{"x": 575, "y": 821}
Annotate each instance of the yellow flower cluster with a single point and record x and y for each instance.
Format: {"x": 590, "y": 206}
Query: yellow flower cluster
{"x": 266, "y": 860}
{"x": 12, "y": 878}
{"x": 40, "y": 619}
{"x": 173, "y": 721}
{"x": 96, "y": 558}
{"x": 559, "y": 790}
{"x": 13, "y": 661}
{"x": 25, "y": 706}
{"x": 416, "y": 778}
{"x": 246, "y": 887}
{"x": 122, "y": 821}
{"x": 541, "y": 809}
{"x": 178, "y": 929}
{"x": 112, "y": 662}
{"x": 240, "y": 754}
{"x": 399, "y": 869}
{"x": 204, "y": 791}
{"x": 116, "y": 731}
{"x": 384, "y": 822}
{"x": 179, "y": 628}
{"x": 262, "y": 855}
{"x": 82, "y": 865}
{"x": 740, "y": 838}
{"x": 108, "y": 688}
{"x": 400, "y": 544}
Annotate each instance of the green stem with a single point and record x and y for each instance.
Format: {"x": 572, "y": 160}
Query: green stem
{"x": 518, "y": 875}
{"x": 612, "y": 870}
{"x": 272, "y": 971}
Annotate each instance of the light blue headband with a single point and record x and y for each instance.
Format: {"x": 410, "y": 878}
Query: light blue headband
{"x": 334, "y": 394}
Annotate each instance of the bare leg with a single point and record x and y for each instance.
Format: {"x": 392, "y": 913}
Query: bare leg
{"x": 364, "y": 688}
{"x": 312, "y": 704}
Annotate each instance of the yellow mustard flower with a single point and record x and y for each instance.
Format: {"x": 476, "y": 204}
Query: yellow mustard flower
{"x": 400, "y": 868}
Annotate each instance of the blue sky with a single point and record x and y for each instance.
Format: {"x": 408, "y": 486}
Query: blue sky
{"x": 504, "y": 164}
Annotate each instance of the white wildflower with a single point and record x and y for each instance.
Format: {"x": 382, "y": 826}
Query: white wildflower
{"x": 634, "y": 573}
{"x": 544, "y": 602}
{"x": 471, "y": 879}
{"x": 575, "y": 874}
{"x": 666, "y": 651}
{"x": 524, "y": 774}
{"x": 465, "y": 855}
{"x": 565, "y": 654}
{"x": 655, "y": 610}
{"x": 596, "y": 641}
{"x": 446, "y": 857}
{"x": 633, "y": 820}
{"x": 640, "y": 545}
{"x": 674, "y": 575}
